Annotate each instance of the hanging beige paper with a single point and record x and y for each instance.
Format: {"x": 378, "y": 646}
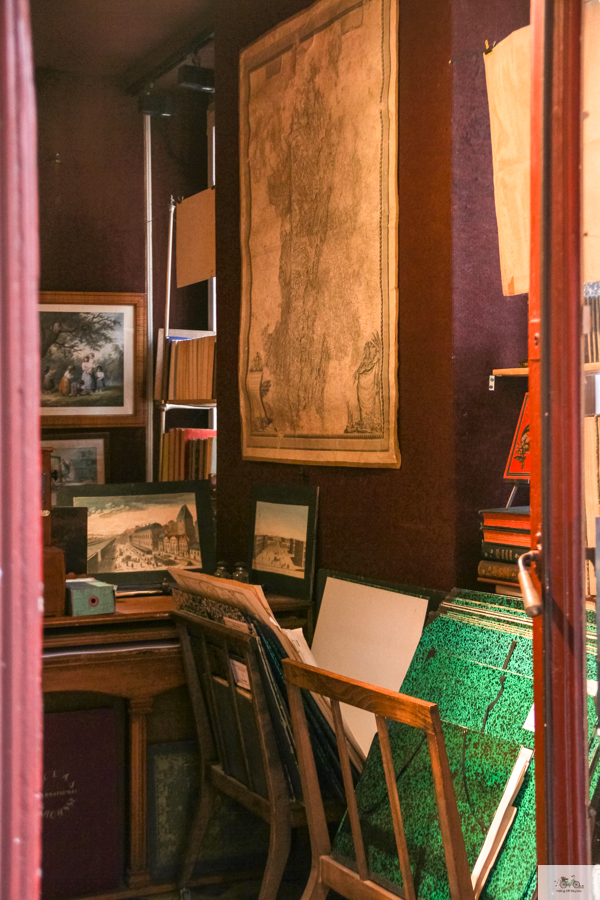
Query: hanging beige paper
{"x": 507, "y": 74}
{"x": 508, "y": 78}
{"x": 195, "y": 238}
{"x": 591, "y": 471}
{"x": 591, "y": 143}
{"x": 319, "y": 237}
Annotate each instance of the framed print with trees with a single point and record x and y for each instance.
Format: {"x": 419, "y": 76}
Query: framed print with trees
{"x": 92, "y": 348}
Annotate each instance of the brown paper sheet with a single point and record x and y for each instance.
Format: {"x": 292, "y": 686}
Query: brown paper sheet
{"x": 508, "y": 75}
{"x": 195, "y": 238}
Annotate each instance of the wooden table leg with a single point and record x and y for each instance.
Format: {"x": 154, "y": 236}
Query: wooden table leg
{"x": 139, "y": 708}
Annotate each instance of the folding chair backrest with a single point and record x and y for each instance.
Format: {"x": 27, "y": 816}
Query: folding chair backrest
{"x": 232, "y": 718}
{"x": 384, "y": 704}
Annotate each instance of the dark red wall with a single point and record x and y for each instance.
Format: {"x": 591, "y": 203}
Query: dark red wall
{"x": 490, "y": 330}
{"x": 394, "y": 524}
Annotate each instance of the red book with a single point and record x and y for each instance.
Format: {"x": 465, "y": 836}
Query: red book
{"x": 194, "y": 434}
{"x": 502, "y": 536}
{"x": 83, "y": 822}
{"x": 517, "y": 518}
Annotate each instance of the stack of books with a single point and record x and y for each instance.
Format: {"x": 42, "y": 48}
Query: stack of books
{"x": 506, "y": 536}
{"x": 185, "y": 366}
{"x": 186, "y": 454}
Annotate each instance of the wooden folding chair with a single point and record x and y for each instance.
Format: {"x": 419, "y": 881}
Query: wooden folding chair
{"x": 239, "y": 755}
{"x": 326, "y": 872}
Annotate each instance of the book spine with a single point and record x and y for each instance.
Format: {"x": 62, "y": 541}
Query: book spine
{"x": 161, "y": 471}
{"x": 198, "y": 358}
{"x": 499, "y": 571}
{"x": 171, "y": 455}
{"x": 500, "y": 552}
{"x": 502, "y": 536}
{"x": 158, "y": 377}
{"x": 210, "y": 375}
{"x": 209, "y": 453}
{"x": 187, "y": 460}
{"x": 171, "y": 395}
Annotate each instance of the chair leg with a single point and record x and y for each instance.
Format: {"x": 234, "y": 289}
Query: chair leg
{"x": 315, "y": 889}
{"x": 201, "y": 819}
{"x": 280, "y": 841}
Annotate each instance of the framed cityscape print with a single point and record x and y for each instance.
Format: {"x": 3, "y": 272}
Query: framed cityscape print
{"x": 283, "y": 538}
{"x": 135, "y": 531}
{"x": 318, "y": 346}
{"x": 92, "y": 350}
{"x": 518, "y": 466}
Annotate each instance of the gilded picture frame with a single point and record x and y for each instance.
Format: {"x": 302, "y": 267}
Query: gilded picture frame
{"x": 93, "y": 351}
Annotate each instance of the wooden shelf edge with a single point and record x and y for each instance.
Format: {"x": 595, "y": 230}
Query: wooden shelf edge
{"x": 522, "y": 371}
{"x": 186, "y": 404}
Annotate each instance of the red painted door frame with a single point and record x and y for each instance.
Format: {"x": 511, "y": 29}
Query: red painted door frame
{"x": 555, "y": 397}
{"x": 20, "y": 486}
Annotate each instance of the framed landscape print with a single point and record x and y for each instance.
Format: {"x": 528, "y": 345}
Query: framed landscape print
{"x": 92, "y": 356}
{"x": 283, "y": 538}
{"x": 77, "y": 458}
{"x": 135, "y": 531}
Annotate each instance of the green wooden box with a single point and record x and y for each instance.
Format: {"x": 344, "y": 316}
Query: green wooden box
{"x": 88, "y": 597}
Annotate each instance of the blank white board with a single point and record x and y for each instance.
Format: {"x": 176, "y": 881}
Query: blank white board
{"x": 370, "y": 634}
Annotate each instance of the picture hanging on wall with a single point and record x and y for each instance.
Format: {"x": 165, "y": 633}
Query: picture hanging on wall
{"x": 92, "y": 357}
{"x": 77, "y": 458}
{"x": 283, "y": 538}
{"x": 319, "y": 238}
{"x": 135, "y": 531}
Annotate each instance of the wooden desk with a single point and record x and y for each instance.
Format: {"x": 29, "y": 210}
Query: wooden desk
{"x": 133, "y": 653}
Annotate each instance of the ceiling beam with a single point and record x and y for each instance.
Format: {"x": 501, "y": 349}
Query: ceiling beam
{"x": 167, "y": 55}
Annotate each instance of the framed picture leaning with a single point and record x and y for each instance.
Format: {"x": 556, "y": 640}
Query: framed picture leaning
{"x": 137, "y": 530}
{"x": 93, "y": 348}
{"x": 283, "y": 538}
{"x": 77, "y": 458}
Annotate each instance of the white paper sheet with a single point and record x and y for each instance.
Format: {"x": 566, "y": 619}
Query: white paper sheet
{"x": 370, "y": 634}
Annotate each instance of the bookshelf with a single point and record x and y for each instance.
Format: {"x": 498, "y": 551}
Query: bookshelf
{"x": 163, "y": 401}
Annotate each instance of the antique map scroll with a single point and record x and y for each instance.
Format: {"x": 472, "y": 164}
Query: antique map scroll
{"x": 319, "y": 225}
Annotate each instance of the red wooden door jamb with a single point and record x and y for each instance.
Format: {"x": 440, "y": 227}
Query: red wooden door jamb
{"x": 20, "y": 487}
{"x": 555, "y": 398}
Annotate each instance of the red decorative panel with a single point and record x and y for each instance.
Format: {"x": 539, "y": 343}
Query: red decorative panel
{"x": 555, "y": 408}
{"x": 20, "y": 476}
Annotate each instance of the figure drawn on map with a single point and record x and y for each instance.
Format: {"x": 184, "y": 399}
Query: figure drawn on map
{"x": 368, "y": 390}
{"x": 257, "y": 390}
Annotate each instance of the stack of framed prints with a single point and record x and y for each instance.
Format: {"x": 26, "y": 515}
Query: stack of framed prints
{"x": 135, "y": 531}
{"x": 92, "y": 348}
{"x": 77, "y": 458}
{"x": 283, "y": 538}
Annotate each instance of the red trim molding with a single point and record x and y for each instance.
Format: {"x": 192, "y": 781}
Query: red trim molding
{"x": 555, "y": 396}
{"x": 20, "y": 485}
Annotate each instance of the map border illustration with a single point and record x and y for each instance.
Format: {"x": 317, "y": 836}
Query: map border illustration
{"x": 367, "y": 400}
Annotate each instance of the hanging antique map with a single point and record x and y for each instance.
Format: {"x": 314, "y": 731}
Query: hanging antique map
{"x": 319, "y": 224}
